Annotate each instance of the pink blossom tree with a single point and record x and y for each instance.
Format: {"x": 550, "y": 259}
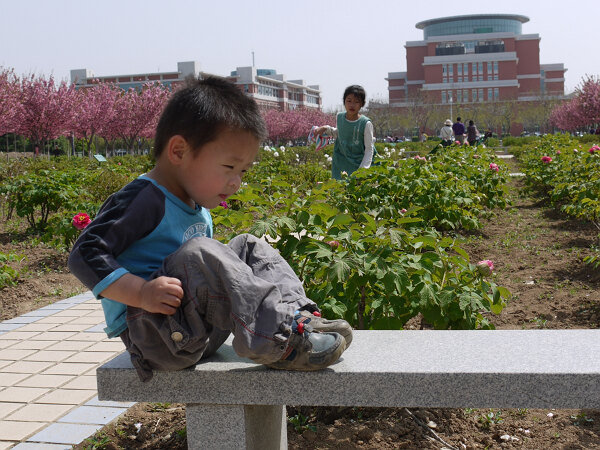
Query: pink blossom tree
{"x": 47, "y": 110}
{"x": 582, "y": 110}
{"x": 9, "y": 100}
{"x": 588, "y": 100}
{"x": 136, "y": 114}
{"x": 94, "y": 110}
{"x": 294, "y": 124}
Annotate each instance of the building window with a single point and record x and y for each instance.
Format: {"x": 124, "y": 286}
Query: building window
{"x": 451, "y": 70}
{"x": 459, "y": 68}
{"x": 443, "y": 96}
{"x": 490, "y": 93}
{"x": 496, "y": 94}
{"x": 459, "y": 96}
{"x": 465, "y": 95}
{"x": 480, "y": 95}
{"x": 495, "y": 68}
{"x": 474, "y": 95}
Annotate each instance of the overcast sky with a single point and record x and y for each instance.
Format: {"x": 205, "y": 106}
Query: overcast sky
{"x": 329, "y": 43}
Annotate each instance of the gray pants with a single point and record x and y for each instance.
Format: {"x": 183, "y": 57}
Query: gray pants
{"x": 245, "y": 288}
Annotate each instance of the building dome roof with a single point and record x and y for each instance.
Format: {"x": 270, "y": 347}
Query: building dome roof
{"x": 472, "y": 24}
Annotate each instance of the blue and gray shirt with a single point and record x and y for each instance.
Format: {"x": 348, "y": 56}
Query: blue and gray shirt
{"x": 134, "y": 231}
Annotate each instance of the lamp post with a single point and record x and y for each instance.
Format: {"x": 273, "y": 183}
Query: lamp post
{"x": 451, "y": 106}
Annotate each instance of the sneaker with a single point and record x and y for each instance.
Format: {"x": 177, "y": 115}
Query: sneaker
{"x": 320, "y": 324}
{"x": 309, "y": 350}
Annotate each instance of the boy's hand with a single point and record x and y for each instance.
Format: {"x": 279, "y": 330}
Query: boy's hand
{"x": 162, "y": 295}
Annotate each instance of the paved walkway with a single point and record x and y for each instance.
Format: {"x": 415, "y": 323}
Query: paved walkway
{"x": 48, "y": 361}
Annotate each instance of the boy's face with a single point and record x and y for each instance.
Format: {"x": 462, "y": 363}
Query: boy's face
{"x": 215, "y": 172}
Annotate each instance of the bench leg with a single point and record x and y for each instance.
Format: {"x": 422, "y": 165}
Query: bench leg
{"x": 250, "y": 427}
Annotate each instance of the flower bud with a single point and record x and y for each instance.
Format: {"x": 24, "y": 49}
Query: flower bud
{"x": 485, "y": 267}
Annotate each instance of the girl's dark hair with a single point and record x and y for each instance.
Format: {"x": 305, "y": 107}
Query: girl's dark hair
{"x": 356, "y": 90}
{"x": 202, "y": 108}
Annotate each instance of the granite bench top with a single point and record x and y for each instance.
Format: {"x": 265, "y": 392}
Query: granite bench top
{"x": 428, "y": 368}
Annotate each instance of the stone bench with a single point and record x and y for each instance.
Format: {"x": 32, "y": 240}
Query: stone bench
{"x": 234, "y": 403}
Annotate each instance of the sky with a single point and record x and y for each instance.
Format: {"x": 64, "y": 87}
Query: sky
{"x": 329, "y": 43}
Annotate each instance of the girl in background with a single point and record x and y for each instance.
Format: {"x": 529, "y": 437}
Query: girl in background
{"x": 354, "y": 142}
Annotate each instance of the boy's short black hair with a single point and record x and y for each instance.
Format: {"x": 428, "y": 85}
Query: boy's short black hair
{"x": 202, "y": 108}
{"x": 356, "y": 90}
{"x": 458, "y": 119}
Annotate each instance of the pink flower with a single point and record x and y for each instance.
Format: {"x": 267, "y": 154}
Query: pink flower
{"x": 403, "y": 211}
{"x": 594, "y": 148}
{"x": 485, "y": 267}
{"x": 546, "y": 159}
{"x": 224, "y": 205}
{"x": 81, "y": 220}
{"x": 494, "y": 167}
{"x": 457, "y": 142}
{"x": 558, "y": 152}
{"x": 333, "y": 244}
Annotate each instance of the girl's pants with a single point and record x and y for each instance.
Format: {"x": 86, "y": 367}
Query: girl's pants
{"x": 244, "y": 287}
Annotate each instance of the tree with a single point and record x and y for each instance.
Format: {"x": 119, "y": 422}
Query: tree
{"x": 9, "y": 100}
{"x": 94, "y": 110}
{"x": 47, "y": 110}
{"x": 136, "y": 114}
{"x": 294, "y": 124}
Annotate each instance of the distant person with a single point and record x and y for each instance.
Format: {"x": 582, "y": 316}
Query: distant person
{"x": 472, "y": 134}
{"x": 354, "y": 142}
{"x": 171, "y": 292}
{"x": 459, "y": 130}
{"x": 447, "y": 134}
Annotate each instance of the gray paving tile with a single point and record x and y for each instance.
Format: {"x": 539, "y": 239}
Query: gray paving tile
{"x": 97, "y": 328}
{"x": 65, "y": 433}
{"x": 44, "y": 312}
{"x": 41, "y": 446}
{"x": 4, "y": 327}
{"x": 96, "y": 402}
{"x": 100, "y": 415}
{"x": 21, "y": 320}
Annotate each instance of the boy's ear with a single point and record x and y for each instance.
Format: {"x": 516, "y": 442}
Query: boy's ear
{"x": 177, "y": 147}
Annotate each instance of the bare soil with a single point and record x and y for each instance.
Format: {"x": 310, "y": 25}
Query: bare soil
{"x": 537, "y": 253}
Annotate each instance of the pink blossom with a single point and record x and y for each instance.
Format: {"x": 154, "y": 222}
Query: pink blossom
{"x": 558, "y": 152}
{"x": 403, "y": 211}
{"x": 594, "y": 148}
{"x": 457, "y": 142}
{"x": 333, "y": 244}
{"x": 224, "y": 205}
{"x": 546, "y": 159}
{"x": 81, "y": 220}
{"x": 494, "y": 167}
{"x": 485, "y": 267}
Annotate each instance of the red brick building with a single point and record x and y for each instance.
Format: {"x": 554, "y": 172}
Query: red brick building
{"x": 475, "y": 58}
{"x": 266, "y": 86}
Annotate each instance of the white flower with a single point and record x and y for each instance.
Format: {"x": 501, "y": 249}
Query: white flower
{"x": 344, "y": 173}
{"x": 329, "y": 159}
{"x": 326, "y": 155}
{"x": 267, "y": 148}
{"x": 297, "y": 156}
{"x": 282, "y": 148}
{"x": 276, "y": 154}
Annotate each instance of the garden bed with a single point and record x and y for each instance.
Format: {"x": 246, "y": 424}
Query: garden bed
{"x": 537, "y": 254}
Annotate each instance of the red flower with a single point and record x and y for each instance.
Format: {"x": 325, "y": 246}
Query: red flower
{"x": 81, "y": 220}
{"x": 546, "y": 159}
{"x": 224, "y": 205}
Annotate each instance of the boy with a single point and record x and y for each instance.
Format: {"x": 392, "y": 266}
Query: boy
{"x": 169, "y": 290}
